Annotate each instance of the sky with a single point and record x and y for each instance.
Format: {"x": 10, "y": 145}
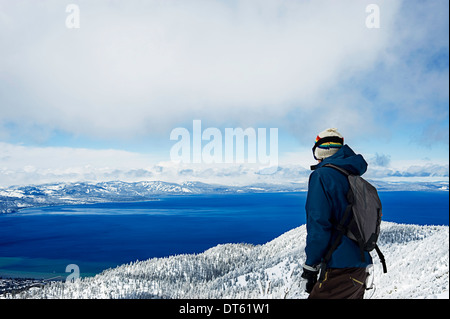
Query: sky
{"x": 99, "y": 101}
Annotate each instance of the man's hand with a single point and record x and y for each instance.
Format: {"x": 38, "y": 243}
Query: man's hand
{"x": 310, "y": 275}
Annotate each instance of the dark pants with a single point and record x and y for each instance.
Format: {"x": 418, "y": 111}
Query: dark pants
{"x": 345, "y": 283}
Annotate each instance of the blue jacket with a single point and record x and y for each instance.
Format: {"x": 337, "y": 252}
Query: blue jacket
{"x": 325, "y": 206}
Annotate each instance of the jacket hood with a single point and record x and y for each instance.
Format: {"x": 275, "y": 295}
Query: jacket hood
{"x": 347, "y": 159}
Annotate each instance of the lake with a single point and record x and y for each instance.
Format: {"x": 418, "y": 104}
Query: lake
{"x": 41, "y": 242}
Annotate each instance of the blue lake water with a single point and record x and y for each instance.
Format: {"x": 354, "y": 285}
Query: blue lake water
{"x": 41, "y": 242}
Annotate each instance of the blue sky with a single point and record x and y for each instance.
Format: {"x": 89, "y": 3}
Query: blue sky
{"x": 136, "y": 70}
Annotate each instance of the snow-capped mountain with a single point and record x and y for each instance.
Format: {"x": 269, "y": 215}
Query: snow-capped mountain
{"x": 14, "y": 198}
{"x": 417, "y": 260}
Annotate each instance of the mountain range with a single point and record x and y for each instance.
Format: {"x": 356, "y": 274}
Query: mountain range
{"x": 15, "y": 198}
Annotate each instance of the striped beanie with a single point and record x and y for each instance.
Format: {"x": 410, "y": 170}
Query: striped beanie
{"x": 327, "y": 143}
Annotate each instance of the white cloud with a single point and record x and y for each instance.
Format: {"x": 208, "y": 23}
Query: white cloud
{"x": 24, "y": 165}
{"x": 21, "y": 165}
{"x": 136, "y": 68}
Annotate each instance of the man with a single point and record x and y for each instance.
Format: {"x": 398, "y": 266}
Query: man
{"x": 326, "y": 202}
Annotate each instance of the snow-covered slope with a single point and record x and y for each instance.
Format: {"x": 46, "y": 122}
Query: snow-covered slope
{"x": 417, "y": 259}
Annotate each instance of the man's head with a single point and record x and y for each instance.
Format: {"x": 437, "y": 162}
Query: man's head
{"x": 327, "y": 143}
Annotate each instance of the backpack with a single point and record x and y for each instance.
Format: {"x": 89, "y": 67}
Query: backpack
{"x": 361, "y": 220}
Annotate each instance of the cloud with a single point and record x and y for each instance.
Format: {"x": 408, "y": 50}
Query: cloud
{"x": 137, "y": 68}
{"x": 20, "y": 165}
{"x": 427, "y": 172}
{"x": 382, "y": 160}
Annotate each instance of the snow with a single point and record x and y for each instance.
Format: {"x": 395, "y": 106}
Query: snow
{"x": 12, "y": 193}
{"x": 14, "y": 198}
{"x": 417, "y": 259}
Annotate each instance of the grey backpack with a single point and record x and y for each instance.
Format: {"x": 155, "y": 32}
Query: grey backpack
{"x": 361, "y": 220}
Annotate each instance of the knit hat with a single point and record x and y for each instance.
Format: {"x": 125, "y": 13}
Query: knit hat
{"x": 327, "y": 143}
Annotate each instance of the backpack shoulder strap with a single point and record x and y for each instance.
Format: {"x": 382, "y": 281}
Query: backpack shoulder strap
{"x": 381, "y": 256}
{"x": 340, "y": 169}
{"x": 341, "y": 227}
